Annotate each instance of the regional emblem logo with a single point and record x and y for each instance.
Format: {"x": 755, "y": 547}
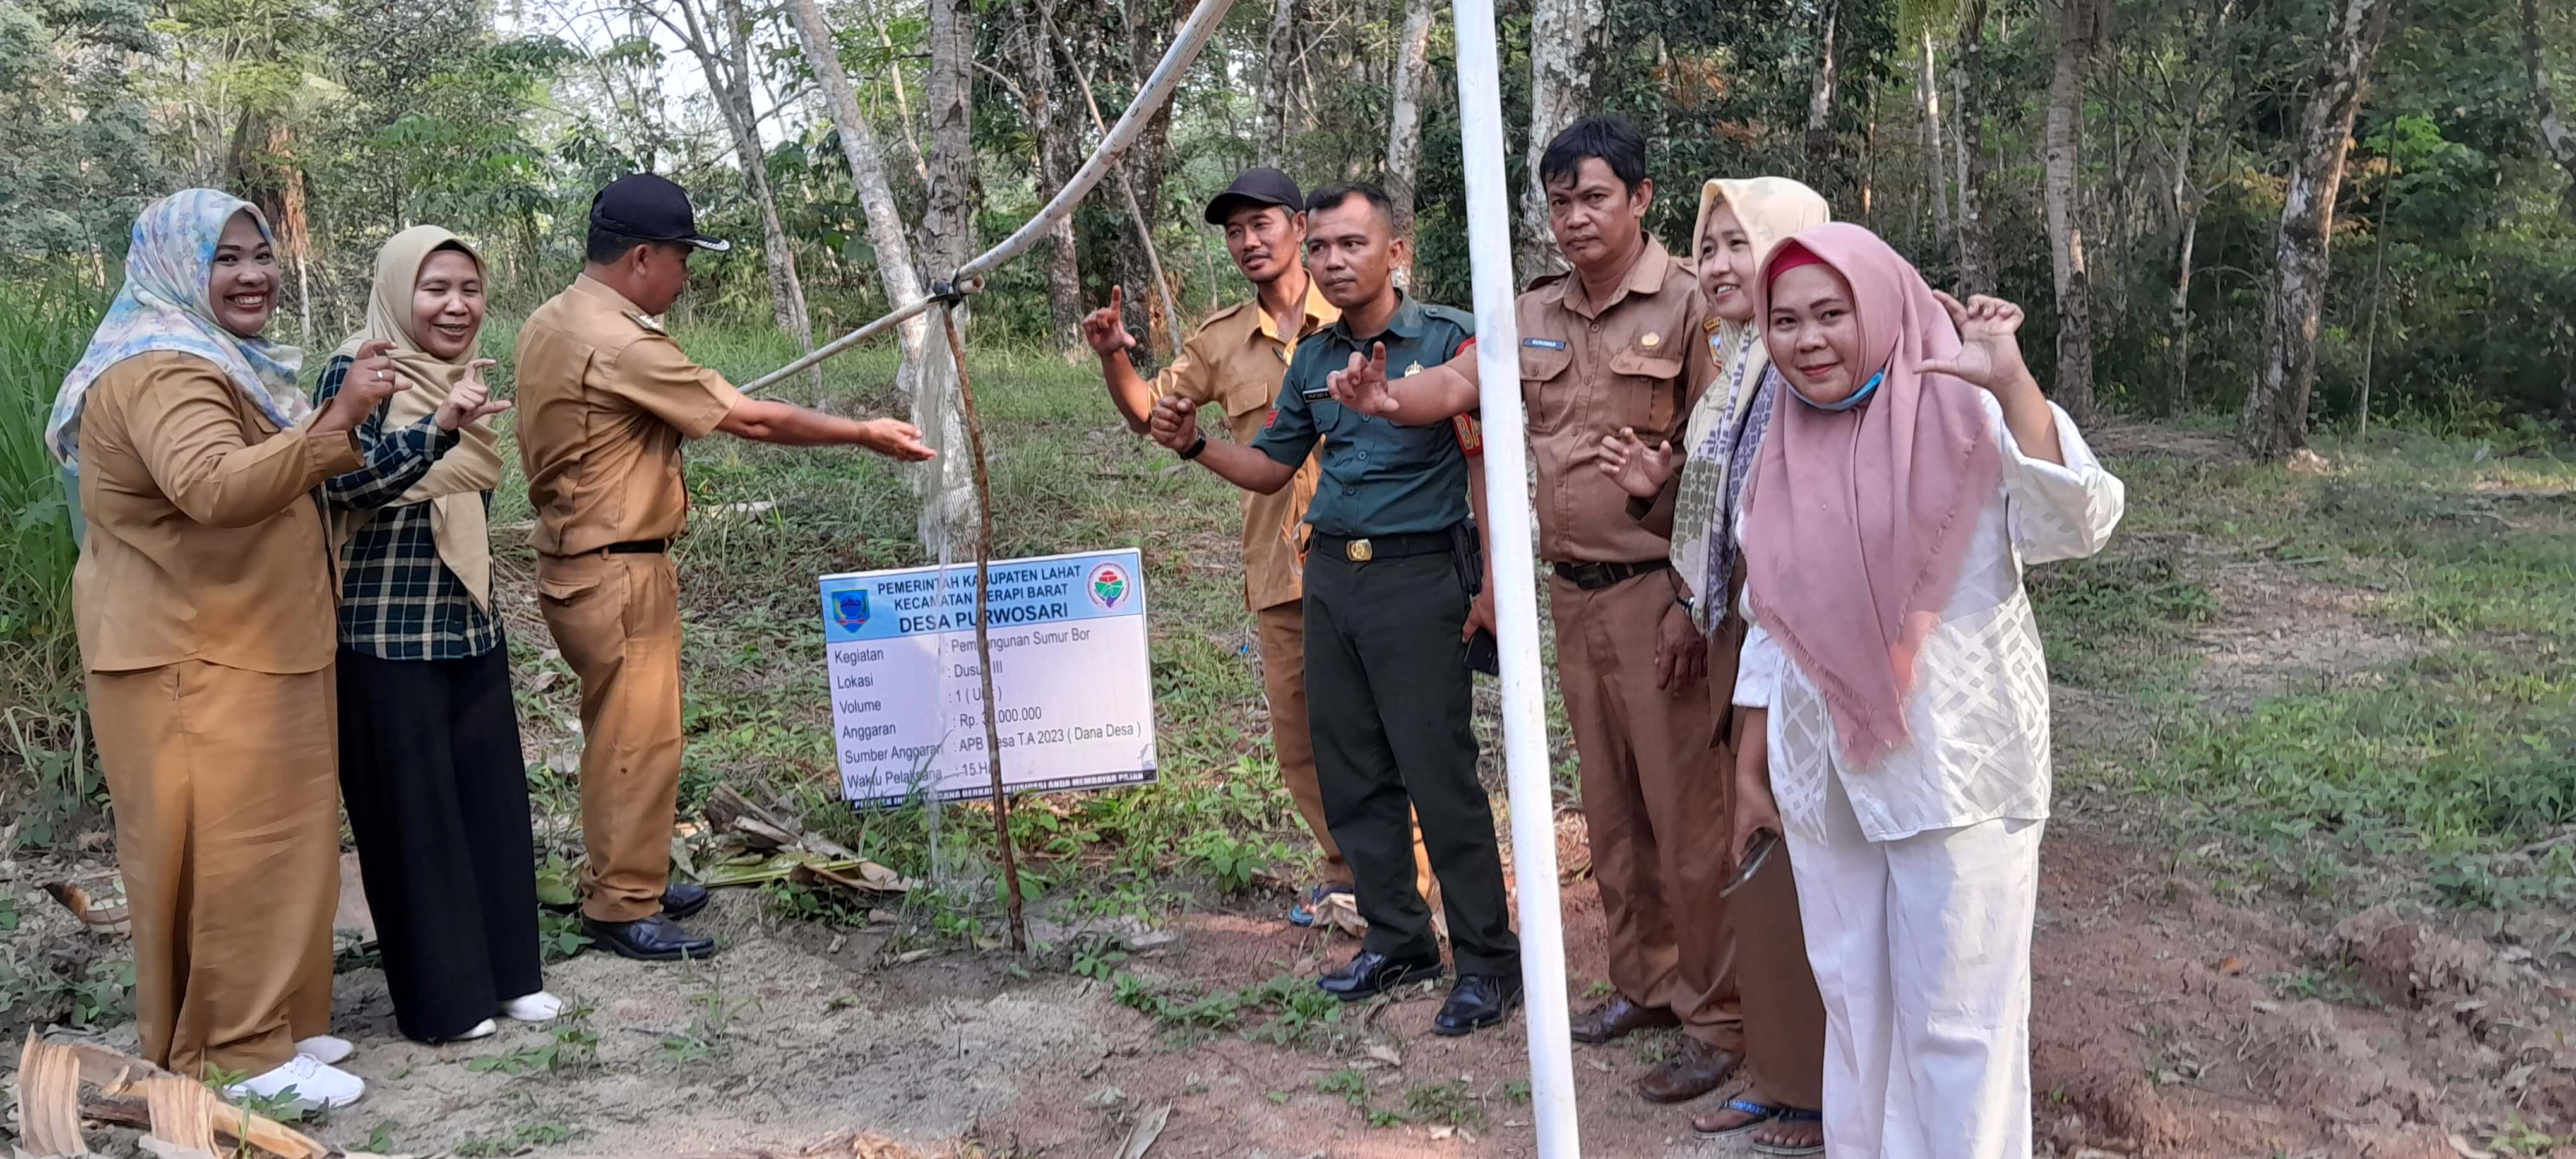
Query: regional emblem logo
{"x": 1108, "y": 586}
{"x": 850, "y": 609}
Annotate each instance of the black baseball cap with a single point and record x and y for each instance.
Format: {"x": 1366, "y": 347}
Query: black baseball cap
{"x": 649, "y": 207}
{"x": 1256, "y": 187}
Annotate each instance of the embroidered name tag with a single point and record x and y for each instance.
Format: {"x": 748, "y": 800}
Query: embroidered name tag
{"x": 1543, "y": 343}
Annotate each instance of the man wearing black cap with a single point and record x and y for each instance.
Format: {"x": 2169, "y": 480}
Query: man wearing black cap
{"x": 1236, "y": 359}
{"x": 606, "y": 399}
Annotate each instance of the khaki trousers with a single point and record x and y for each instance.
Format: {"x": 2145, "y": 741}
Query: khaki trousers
{"x": 617, "y": 620}
{"x": 1784, "y": 1015}
{"x": 227, "y": 795}
{"x": 1654, "y": 800}
{"x": 1283, "y": 678}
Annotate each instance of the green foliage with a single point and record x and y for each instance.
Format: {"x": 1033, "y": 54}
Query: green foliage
{"x": 43, "y": 329}
{"x": 36, "y": 991}
{"x": 559, "y": 935}
{"x": 1298, "y": 1012}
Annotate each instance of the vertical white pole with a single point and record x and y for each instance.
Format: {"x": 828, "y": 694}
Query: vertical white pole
{"x": 1525, "y": 759}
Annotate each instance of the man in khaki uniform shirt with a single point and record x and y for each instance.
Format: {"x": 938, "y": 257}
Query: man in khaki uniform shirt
{"x": 1237, "y": 359}
{"x": 1614, "y": 345}
{"x": 606, "y": 401}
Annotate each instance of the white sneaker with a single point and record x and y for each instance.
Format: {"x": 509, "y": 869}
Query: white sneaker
{"x": 312, "y": 1083}
{"x": 484, "y": 1029}
{"x": 537, "y": 1007}
{"x": 326, "y": 1049}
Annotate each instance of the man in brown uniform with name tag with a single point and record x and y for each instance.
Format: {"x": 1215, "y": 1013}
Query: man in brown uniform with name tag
{"x": 1613, "y": 345}
{"x": 606, "y": 399}
{"x": 1236, "y": 359}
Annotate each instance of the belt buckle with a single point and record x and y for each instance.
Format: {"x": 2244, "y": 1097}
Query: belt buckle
{"x": 1359, "y": 551}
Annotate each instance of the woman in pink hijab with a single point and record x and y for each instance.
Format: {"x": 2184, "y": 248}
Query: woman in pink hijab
{"x": 1912, "y": 469}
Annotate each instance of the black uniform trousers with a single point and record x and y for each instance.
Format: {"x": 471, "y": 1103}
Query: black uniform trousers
{"x": 437, "y": 793}
{"x": 1388, "y": 706}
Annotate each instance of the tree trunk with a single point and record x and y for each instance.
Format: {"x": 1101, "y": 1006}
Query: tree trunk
{"x": 902, "y": 105}
{"x": 1150, "y": 24}
{"x": 948, "y": 228}
{"x": 2078, "y": 30}
{"x": 1820, "y": 103}
{"x": 1976, "y": 273}
{"x": 2275, "y": 418}
{"x": 727, "y": 64}
{"x": 949, "y": 224}
{"x": 1404, "y": 124}
{"x": 1053, "y": 134}
{"x": 2186, "y": 207}
{"x": 2553, "y": 132}
{"x": 1936, "y": 178}
{"x": 2370, "y": 339}
{"x": 1279, "y": 50}
{"x": 1561, "y": 36}
{"x": 1869, "y": 160}
{"x": 887, "y": 232}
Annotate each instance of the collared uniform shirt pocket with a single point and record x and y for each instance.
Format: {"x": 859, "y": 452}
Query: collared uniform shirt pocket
{"x": 1650, "y": 388}
{"x": 1547, "y": 391}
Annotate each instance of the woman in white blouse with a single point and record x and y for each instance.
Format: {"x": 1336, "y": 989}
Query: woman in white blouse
{"x": 1912, "y": 469}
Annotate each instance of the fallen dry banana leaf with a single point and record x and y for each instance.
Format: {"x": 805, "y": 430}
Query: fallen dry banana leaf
{"x": 131, "y": 1091}
{"x": 49, "y": 1102}
{"x": 100, "y": 919}
{"x": 855, "y": 874}
{"x": 1147, "y": 1130}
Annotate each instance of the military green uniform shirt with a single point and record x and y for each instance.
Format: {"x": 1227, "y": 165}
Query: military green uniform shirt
{"x": 1379, "y": 478}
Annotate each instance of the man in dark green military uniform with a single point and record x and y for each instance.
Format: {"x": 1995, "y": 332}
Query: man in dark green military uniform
{"x": 1388, "y": 616}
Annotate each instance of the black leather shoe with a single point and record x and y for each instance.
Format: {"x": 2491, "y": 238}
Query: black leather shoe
{"x": 1479, "y": 1000}
{"x": 653, "y": 939}
{"x": 679, "y": 900}
{"x": 1369, "y": 974}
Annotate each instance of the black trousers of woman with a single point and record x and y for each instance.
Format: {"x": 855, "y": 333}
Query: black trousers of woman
{"x": 438, "y": 796}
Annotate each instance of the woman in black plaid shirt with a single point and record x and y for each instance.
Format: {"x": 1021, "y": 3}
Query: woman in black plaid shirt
{"x": 430, "y": 764}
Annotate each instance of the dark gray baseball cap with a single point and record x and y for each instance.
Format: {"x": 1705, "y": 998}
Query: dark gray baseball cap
{"x": 1256, "y": 187}
{"x": 649, "y": 207}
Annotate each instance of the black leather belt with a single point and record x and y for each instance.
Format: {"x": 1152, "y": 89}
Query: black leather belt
{"x": 638, "y": 547}
{"x": 1595, "y": 576}
{"x": 1365, "y": 548}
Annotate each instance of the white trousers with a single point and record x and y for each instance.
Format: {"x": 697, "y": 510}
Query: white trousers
{"x": 1921, "y": 948}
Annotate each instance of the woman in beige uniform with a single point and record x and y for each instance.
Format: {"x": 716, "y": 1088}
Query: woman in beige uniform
{"x": 204, "y": 603}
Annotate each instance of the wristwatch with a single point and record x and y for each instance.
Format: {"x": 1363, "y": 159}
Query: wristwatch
{"x": 1195, "y": 448}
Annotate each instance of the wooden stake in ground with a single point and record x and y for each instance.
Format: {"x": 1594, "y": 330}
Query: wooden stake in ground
{"x": 983, "y": 634}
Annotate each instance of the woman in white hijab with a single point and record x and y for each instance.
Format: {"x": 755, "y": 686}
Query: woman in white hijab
{"x": 430, "y": 764}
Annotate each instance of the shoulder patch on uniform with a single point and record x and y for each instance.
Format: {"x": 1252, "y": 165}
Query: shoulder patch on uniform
{"x": 1471, "y": 434}
{"x": 646, "y": 322}
{"x": 1544, "y": 280}
{"x": 1451, "y": 315}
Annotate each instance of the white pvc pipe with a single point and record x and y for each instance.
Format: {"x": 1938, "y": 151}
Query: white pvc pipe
{"x": 1525, "y": 759}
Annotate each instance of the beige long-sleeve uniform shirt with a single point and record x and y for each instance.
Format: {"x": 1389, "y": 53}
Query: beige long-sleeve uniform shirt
{"x": 1589, "y": 368}
{"x": 204, "y": 540}
{"x": 1237, "y": 359}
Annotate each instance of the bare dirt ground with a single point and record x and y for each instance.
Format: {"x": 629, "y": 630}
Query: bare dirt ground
{"x": 2174, "y": 1015}
{"x": 2162, "y": 1027}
